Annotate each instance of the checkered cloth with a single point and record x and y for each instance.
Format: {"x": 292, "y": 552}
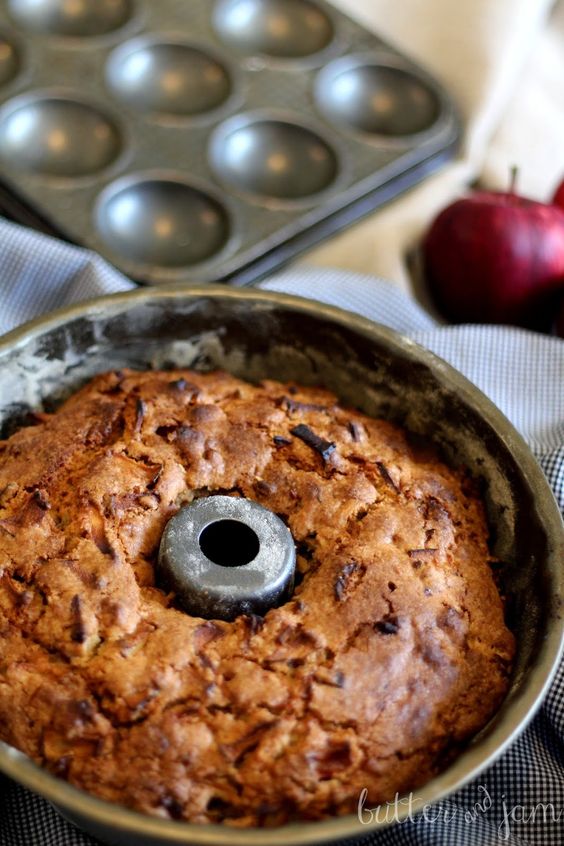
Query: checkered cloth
{"x": 519, "y": 800}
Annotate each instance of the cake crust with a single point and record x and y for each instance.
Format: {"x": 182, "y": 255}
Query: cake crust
{"x": 392, "y": 652}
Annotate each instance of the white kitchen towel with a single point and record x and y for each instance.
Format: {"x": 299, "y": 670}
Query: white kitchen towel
{"x": 519, "y": 800}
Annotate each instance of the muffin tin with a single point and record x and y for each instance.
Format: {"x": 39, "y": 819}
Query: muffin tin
{"x": 205, "y": 140}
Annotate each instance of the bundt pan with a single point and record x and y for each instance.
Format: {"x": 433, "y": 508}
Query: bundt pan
{"x": 257, "y": 334}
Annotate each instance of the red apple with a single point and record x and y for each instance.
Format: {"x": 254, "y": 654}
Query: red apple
{"x": 558, "y": 198}
{"x": 496, "y": 258}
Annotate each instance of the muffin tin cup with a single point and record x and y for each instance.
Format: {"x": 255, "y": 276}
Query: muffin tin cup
{"x": 173, "y": 80}
{"x": 277, "y": 159}
{"x": 243, "y": 98}
{"x": 77, "y": 23}
{"x": 280, "y": 34}
{"x": 60, "y": 136}
{"x": 159, "y": 219}
{"x": 379, "y": 100}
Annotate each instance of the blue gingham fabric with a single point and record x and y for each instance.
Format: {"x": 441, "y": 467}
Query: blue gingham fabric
{"x": 520, "y": 799}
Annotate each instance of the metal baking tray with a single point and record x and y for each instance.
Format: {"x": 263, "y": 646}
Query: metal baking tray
{"x": 189, "y": 139}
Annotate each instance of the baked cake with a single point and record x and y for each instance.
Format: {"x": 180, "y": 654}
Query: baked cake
{"x": 391, "y": 653}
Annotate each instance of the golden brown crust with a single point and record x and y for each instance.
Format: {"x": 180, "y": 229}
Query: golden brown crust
{"x": 391, "y": 653}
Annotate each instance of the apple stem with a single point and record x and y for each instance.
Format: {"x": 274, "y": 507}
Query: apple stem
{"x": 513, "y": 175}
